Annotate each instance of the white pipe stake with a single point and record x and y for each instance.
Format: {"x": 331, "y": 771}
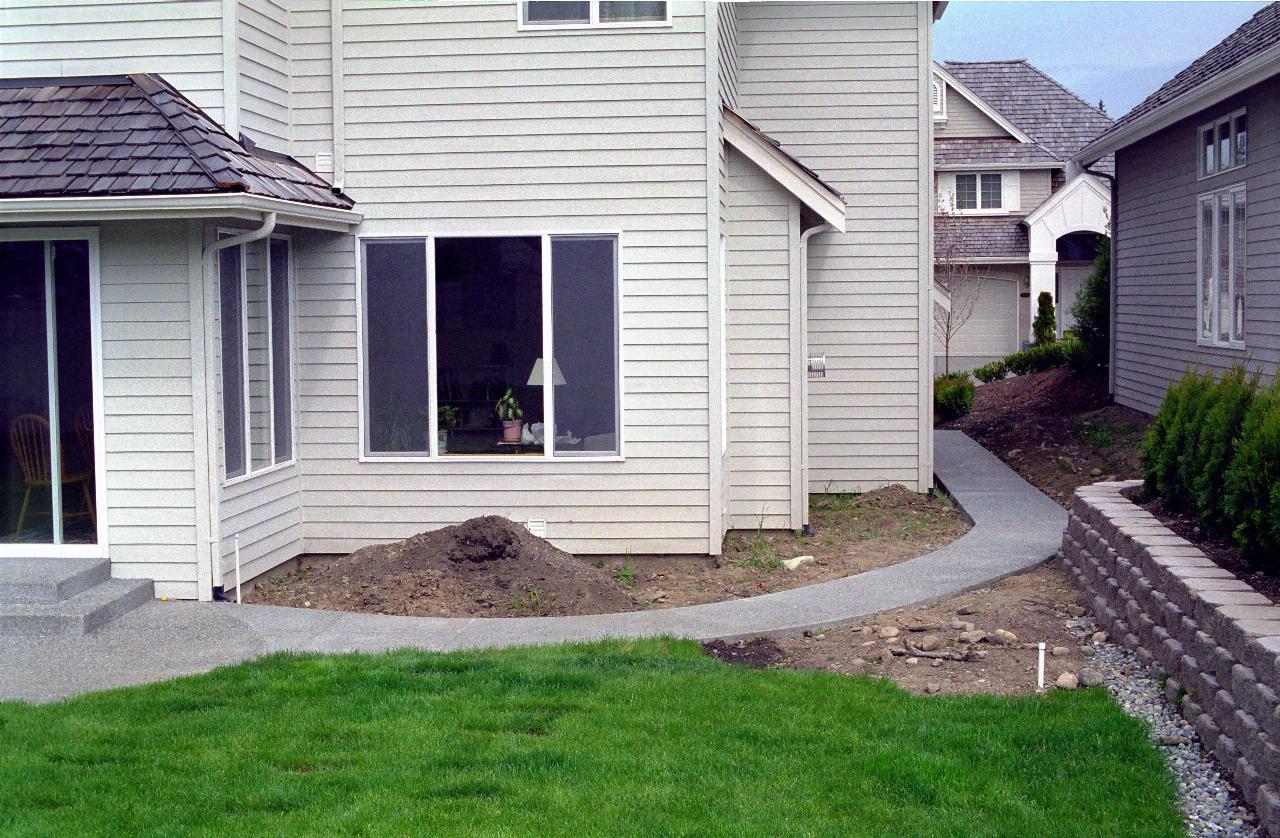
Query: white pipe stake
{"x": 1040, "y": 671}
{"x": 237, "y": 543}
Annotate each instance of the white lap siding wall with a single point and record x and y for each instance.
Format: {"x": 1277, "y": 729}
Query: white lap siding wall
{"x": 843, "y": 86}
{"x": 763, "y": 221}
{"x": 458, "y": 123}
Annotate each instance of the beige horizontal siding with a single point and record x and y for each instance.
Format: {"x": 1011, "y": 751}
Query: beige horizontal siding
{"x": 964, "y": 119}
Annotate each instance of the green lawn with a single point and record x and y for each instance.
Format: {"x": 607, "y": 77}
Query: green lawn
{"x": 636, "y": 738}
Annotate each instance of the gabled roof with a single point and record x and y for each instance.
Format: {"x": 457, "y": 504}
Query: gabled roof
{"x": 797, "y": 178}
{"x": 990, "y": 238}
{"x": 1240, "y": 60}
{"x": 1041, "y": 107}
{"x": 133, "y": 135}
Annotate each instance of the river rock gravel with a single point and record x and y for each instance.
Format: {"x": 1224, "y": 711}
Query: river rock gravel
{"x": 1210, "y": 804}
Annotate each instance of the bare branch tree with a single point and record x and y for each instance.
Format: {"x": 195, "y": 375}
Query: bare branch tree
{"x": 958, "y": 276}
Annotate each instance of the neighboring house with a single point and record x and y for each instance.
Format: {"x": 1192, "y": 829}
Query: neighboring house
{"x": 1015, "y": 217}
{"x": 1196, "y": 264}
{"x": 269, "y": 264}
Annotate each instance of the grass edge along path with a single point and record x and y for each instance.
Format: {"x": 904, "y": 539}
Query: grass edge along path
{"x": 619, "y": 737}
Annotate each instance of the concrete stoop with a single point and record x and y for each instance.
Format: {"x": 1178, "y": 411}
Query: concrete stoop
{"x": 51, "y": 597}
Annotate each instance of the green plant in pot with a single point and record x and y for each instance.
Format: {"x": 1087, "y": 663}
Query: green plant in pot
{"x": 447, "y": 419}
{"x": 512, "y": 417}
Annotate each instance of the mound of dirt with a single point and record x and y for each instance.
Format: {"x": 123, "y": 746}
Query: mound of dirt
{"x": 757, "y": 653}
{"x": 484, "y": 567}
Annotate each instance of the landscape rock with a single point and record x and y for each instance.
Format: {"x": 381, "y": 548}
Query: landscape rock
{"x": 1169, "y": 741}
{"x": 1075, "y": 610}
{"x": 930, "y": 689}
{"x": 961, "y": 625}
{"x": 929, "y": 643}
{"x": 889, "y": 632}
{"x": 1060, "y": 651}
{"x": 912, "y": 661}
{"x": 1002, "y": 637}
{"x": 792, "y": 564}
{"x": 974, "y": 636}
{"x": 1099, "y": 637}
{"x": 1067, "y": 681}
{"x": 1090, "y": 677}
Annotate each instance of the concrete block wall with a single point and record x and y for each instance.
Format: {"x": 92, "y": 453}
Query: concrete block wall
{"x": 1214, "y": 638}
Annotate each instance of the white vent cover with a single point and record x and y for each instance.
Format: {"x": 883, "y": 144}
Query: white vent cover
{"x": 538, "y": 528}
{"x": 324, "y": 162}
{"x": 818, "y": 366}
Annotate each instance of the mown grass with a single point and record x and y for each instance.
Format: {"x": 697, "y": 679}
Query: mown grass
{"x": 634, "y": 738}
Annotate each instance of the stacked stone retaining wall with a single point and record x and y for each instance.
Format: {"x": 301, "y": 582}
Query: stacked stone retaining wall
{"x": 1214, "y": 638}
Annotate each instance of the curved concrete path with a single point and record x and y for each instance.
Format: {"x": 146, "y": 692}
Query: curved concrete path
{"x": 1015, "y": 527}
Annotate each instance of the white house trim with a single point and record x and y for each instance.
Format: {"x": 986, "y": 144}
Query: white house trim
{"x": 977, "y": 102}
{"x": 810, "y": 191}
{"x": 1084, "y": 204}
{"x": 1240, "y": 77}
{"x": 214, "y": 205}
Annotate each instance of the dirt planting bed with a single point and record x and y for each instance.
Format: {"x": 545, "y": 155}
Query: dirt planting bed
{"x": 982, "y": 641}
{"x": 492, "y": 567}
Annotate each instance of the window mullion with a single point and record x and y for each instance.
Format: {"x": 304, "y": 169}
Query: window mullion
{"x": 433, "y": 396}
{"x": 595, "y": 12}
{"x": 548, "y": 349}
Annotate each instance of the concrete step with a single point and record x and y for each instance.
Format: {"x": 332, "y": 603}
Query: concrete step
{"x": 83, "y": 613}
{"x": 43, "y": 581}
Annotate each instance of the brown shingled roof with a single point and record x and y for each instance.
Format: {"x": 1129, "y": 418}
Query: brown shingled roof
{"x": 956, "y": 151}
{"x": 957, "y": 238}
{"x": 1038, "y": 104}
{"x": 133, "y": 135}
{"x": 1257, "y": 35}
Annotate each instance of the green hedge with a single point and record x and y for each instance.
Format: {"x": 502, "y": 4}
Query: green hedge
{"x": 952, "y": 396}
{"x": 1042, "y": 357}
{"x": 993, "y": 371}
{"x": 1213, "y": 448}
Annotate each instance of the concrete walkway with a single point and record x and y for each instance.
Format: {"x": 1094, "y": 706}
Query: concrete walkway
{"x": 1015, "y": 527}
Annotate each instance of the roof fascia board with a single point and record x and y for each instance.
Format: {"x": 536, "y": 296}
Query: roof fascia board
{"x": 995, "y": 166}
{"x": 1241, "y": 77}
{"x": 139, "y": 207}
{"x": 790, "y": 176}
{"x": 976, "y": 101}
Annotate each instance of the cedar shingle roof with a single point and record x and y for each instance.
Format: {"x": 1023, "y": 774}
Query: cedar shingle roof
{"x": 1042, "y": 108}
{"x": 1258, "y": 34}
{"x": 957, "y": 238}
{"x": 954, "y": 151}
{"x": 133, "y": 135}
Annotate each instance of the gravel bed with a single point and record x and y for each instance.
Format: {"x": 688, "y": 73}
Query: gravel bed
{"x": 1211, "y": 805}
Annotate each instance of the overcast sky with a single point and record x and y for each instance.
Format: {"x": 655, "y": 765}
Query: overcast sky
{"x": 1118, "y": 52}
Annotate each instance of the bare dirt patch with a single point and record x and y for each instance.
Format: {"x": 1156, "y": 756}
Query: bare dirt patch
{"x": 852, "y": 534}
{"x": 1041, "y": 605}
{"x": 1057, "y": 429}
{"x": 484, "y": 567}
{"x": 491, "y": 567}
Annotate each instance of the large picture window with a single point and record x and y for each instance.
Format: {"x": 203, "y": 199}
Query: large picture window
{"x": 256, "y": 329}
{"x": 1222, "y": 227}
{"x": 491, "y": 346}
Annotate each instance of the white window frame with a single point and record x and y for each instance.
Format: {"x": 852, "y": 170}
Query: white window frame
{"x": 250, "y": 472}
{"x": 548, "y": 327}
{"x": 523, "y": 25}
{"x": 1236, "y": 161}
{"x": 1215, "y": 297}
{"x": 979, "y": 209}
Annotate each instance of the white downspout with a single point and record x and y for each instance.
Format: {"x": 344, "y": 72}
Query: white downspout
{"x": 211, "y": 252}
{"x": 804, "y": 379}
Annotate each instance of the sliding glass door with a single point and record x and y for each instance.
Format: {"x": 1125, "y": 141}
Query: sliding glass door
{"x": 48, "y": 449}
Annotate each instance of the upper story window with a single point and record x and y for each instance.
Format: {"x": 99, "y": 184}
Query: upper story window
{"x": 1224, "y": 143}
{"x": 568, "y": 14}
{"x": 983, "y": 191}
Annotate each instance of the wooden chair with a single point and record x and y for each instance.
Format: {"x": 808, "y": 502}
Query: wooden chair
{"x": 29, "y": 436}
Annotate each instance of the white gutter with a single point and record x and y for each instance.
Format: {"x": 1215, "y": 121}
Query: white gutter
{"x": 241, "y": 205}
{"x": 211, "y": 252}
{"x": 804, "y": 343}
{"x": 337, "y": 82}
{"x": 1240, "y": 77}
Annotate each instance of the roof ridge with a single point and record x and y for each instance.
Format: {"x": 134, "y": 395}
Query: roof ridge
{"x": 177, "y": 132}
{"x": 992, "y": 61}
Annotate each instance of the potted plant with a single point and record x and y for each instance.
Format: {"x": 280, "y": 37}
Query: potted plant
{"x": 447, "y": 420}
{"x": 512, "y": 417}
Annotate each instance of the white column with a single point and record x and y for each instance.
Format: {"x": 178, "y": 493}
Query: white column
{"x": 1044, "y": 277}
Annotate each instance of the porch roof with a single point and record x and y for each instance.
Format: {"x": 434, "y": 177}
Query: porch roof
{"x": 134, "y": 135}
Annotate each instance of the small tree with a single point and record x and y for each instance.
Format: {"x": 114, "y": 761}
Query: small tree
{"x": 1044, "y": 329}
{"x": 961, "y": 279}
{"x": 1092, "y": 309}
